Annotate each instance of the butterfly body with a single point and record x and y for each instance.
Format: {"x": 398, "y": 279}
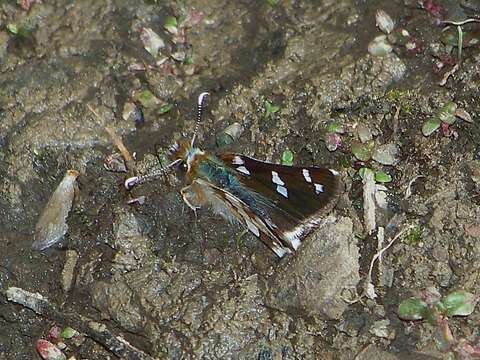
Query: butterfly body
{"x": 279, "y": 204}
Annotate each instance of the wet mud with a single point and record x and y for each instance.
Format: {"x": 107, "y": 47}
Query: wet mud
{"x": 182, "y": 285}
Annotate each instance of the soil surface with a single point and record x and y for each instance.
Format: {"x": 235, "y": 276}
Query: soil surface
{"x": 178, "y": 284}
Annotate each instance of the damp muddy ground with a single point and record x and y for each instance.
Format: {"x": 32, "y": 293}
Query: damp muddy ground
{"x": 177, "y": 284}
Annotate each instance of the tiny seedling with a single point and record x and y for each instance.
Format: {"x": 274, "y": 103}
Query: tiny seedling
{"x": 437, "y": 311}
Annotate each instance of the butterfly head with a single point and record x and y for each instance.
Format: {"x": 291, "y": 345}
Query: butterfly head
{"x": 184, "y": 153}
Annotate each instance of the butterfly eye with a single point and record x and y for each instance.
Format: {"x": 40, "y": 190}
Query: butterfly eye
{"x": 184, "y": 166}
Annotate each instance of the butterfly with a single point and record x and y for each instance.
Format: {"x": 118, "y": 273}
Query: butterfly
{"x": 279, "y": 204}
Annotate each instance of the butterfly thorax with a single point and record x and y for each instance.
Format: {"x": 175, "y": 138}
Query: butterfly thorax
{"x": 200, "y": 165}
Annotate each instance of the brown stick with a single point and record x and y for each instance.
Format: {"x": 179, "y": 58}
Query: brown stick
{"x": 118, "y": 142}
{"x": 95, "y": 330}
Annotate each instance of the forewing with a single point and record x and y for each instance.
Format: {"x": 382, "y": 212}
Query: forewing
{"x": 291, "y": 199}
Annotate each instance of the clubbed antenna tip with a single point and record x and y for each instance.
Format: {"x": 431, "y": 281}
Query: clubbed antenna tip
{"x": 200, "y": 108}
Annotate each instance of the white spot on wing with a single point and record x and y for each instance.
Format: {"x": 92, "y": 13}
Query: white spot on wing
{"x": 276, "y": 179}
{"x": 306, "y": 175}
{"x": 280, "y": 251}
{"x": 296, "y": 243}
{"x": 334, "y": 172}
{"x": 237, "y": 160}
{"x": 318, "y": 188}
{"x": 252, "y": 227}
{"x": 282, "y": 190}
{"x": 243, "y": 170}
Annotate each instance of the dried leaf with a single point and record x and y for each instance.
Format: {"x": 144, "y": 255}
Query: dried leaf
{"x": 52, "y": 225}
{"x": 364, "y": 133}
{"x": 386, "y": 154}
{"x": 464, "y": 115}
{"x": 380, "y": 46}
{"x": 151, "y": 41}
{"x": 363, "y": 152}
{"x": 384, "y": 21}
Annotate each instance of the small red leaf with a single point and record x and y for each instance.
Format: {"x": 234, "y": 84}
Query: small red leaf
{"x": 48, "y": 351}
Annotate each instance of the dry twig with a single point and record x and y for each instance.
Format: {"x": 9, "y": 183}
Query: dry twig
{"x": 95, "y": 330}
{"x": 118, "y": 142}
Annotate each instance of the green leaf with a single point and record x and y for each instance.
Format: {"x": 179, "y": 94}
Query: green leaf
{"x": 171, "y": 24}
{"x": 459, "y": 303}
{"x": 12, "y": 28}
{"x": 270, "y": 108}
{"x": 272, "y": 3}
{"x": 382, "y": 177}
{"x": 188, "y": 60}
{"x": 447, "y": 113}
{"x": 415, "y": 235}
{"x": 165, "y": 108}
{"x": 287, "y": 157}
{"x": 363, "y": 152}
{"x": 68, "y": 333}
{"x": 362, "y": 171}
{"x": 336, "y": 128}
{"x": 412, "y": 309}
{"x": 147, "y": 99}
{"x": 430, "y": 126}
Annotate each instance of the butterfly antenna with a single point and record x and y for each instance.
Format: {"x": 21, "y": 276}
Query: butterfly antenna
{"x": 200, "y": 110}
{"x": 135, "y": 180}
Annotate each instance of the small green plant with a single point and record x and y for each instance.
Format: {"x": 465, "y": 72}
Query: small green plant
{"x": 171, "y": 24}
{"x": 19, "y": 31}
{"x": 380, "y": 176}
{"x": 404, "y": 99}
{"x": 364, "y": 149}
{"x": 444, "y": 117}
{"x": 415, "y": 235}
{"x": 165, "y": 108}
{"x": 287, "y": 157}
{"x": 437, "y": 310}
{"x": 270, "y": 109}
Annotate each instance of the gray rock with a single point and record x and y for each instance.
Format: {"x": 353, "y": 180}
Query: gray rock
{"x": 116, "y": 301}
{"x": 312, "y": 281}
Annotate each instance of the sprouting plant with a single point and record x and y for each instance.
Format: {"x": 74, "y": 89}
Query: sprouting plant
{"x": 415, "y": 235}
{"x": 270, "y": 108}
{"x": 445, "y": 117}
{"x": 272, "y": 3}
{"x": 287, "y": 157}
{"x": 380, "y": 176}
{"x": 437, "y": 310}
{"x": 364, "y": 149}
{"x": 460, "y": 34}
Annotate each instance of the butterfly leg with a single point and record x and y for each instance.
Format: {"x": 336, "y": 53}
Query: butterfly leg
{"x": 193, "y": 196}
